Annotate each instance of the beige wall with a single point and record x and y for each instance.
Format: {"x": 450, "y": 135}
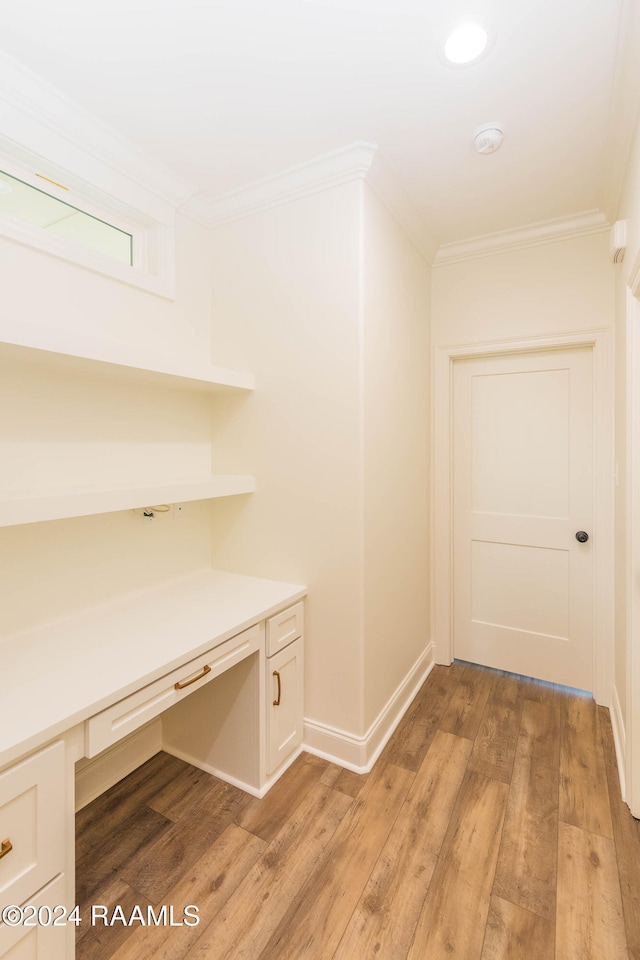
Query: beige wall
{"x": 62, "y": 428}
{"x": 558, "y": 287}
{"x": 53, "y": 570}
{"x": 334, "y": 324}
{"x": 629, "y": 210}
{"x": 395, "y": 343}
{"x": 50, "y": 292}
{"x": 286, "y": 296}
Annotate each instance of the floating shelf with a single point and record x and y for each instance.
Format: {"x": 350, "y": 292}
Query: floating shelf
{"x": 62, "y": 349}
{"x": 32, "y": 506}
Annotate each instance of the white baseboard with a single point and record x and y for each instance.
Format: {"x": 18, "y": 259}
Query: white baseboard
{"x": 619, "y": 739}
{"x": 234, "y": 781}
{"x": 360, "y": 753}
{"x": 95, "y": 776}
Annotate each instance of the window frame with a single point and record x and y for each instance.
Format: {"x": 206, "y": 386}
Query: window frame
{"x": 153, "y": 241}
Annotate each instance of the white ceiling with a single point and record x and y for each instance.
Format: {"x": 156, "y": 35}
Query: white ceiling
{"x": 225, "y": 92}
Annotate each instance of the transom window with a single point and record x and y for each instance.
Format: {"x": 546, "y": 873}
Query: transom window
{"x": 98, "y": 219}
{"x": 39, "y": 208}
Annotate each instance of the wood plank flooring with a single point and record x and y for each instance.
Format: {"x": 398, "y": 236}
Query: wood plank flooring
{"x": 491, "y": 828}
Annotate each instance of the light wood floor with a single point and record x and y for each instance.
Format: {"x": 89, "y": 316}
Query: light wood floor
{"x": 491, "y": 828}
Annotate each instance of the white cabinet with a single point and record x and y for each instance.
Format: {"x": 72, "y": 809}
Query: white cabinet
{"x": 284, "y": 627}
{"x": 32, "y": 852}
{"x": 197, "y": 647}
{"x": 234, "y": 707}
{"x": 32, "y": 810}
{"x": 125, "y": 716}
{"x": 285, "y": 686}
{"x": 247, "y": 724}
{"x": 35, "y": 940}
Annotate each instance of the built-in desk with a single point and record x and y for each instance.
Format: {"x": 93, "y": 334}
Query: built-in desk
{"x": 219, "y": 656}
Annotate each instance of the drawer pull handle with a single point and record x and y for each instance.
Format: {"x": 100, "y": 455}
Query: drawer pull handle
{"x": 5, "y": 847}
{"x": 276, "y": 702}
{"x": 205, "y": 670}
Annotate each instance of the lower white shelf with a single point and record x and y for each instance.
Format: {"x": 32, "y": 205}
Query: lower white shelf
{"x": 32, "y": 506}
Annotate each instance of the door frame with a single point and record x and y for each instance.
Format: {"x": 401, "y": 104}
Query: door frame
{"x": 444, "y": 357}
{"x": 628, "y": 727}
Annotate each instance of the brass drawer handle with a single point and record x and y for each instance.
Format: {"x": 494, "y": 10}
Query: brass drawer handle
{"x": 205, "y": 670}
{"x": 5, "y": 847}
{"x": 276, "y": 702}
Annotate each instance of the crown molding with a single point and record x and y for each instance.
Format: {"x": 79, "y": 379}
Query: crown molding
{"x": 531, "y": 235}
{"x": 321, "y": 173}
{"x": 37, "y": 120}
{"x": 357, "y": 161}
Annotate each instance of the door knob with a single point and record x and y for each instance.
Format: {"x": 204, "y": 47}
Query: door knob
{"x": 582, "y": 536}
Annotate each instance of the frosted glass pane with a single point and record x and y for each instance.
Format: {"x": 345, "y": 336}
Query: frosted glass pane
{"x": 34, "y": 206}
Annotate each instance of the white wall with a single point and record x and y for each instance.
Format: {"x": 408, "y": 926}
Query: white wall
{"x": 559, "y": 287}
{"x": 629, "y": 210}
{"x": 52, "y": 292}
{"x": 55, "y": 569}
{"x": 286, "y": 294}
{"x": 338, "y": 354}
{"x": 395, "y": 335}
{"x": 67, "y": 427}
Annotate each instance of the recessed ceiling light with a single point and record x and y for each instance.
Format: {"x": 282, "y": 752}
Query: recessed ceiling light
{"x": 467, "y": 42}
{"x": 5, "y": 187}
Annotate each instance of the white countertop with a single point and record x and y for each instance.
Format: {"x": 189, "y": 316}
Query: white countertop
{"x": 60, "y": 674}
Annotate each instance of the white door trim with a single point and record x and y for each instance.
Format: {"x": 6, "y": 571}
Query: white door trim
{"x": 603, "y": 542}
{"x": 631, "y": 730}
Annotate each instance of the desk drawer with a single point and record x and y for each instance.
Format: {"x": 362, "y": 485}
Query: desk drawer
{"x": 109, "y": 726}
{"x": 32, "y": 821}
{"x": 284, "y": 628}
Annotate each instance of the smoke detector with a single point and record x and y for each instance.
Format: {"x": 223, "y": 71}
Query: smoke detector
{"x": 488, "y": 138}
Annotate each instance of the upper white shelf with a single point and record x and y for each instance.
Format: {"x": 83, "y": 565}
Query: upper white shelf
{"x": 32, "y": 506}
{"x": 25, "y": 341}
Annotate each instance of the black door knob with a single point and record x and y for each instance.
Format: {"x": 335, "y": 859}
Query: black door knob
{"x": 582, "y": 536}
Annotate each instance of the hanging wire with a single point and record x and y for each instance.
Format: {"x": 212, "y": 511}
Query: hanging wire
{"x": 151, "y": 511}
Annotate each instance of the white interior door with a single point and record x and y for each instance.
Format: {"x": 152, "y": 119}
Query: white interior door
{"x": 522, "y": 488}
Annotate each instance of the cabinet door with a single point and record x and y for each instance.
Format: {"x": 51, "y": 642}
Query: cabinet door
{"x": 32, "y": 823}
{"x": 43, "y": 941}
{"x": 285, "y": 684}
